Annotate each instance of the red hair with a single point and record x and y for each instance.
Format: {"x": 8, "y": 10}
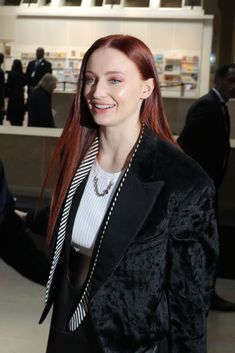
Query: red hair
{"x": 80, "y": 130}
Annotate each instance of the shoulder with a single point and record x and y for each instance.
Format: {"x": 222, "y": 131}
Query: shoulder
{"x": 180, "y": 164}
{"x": 31, "y": 63}
{"x": 169, "y": 163}
{"x": 36, "y": 94}
{"x": 208, "y": 101}
{"x": 38, "y": 90}
{"x": 12, "y": 75}
{"x": 46, "y": 62}
{"x": 203, "y": 111}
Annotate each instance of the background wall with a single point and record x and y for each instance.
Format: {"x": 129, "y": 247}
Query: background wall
{"x": 62, "y": 29}
{"x": 26, "y": 155}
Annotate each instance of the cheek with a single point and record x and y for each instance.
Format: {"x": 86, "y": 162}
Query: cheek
{"x": 125, "y": 93}
{"x": 86, "y": 92}
{"x": 120, "y": 94}
{"x": 87, "y": 96}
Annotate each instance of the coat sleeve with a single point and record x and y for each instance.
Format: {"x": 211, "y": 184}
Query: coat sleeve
{"x": 17, "y": 247}
{"x": 37, "y": 220}
{"x": 192, "y": 258}
{"x": 19, "y": 250}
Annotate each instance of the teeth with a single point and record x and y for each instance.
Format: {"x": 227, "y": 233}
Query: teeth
{"x": 104, "y": 106}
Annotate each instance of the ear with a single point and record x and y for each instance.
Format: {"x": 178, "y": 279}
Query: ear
{"x": 148, "y": 87}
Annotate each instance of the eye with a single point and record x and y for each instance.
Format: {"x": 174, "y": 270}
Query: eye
{"x": 89, "y": 80}
{"x": 114, "y": 81}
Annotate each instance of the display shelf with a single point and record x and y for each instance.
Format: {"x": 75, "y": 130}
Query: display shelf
{"x": 64, "y": 67}
{"x": 178, "y": 73}
{"x": 113, "y": 7}
{"x": 188, "y": 32}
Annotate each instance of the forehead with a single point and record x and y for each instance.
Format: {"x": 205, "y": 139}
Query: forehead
{"x": 110, "y": 59}
{"x": 231, "y": 74}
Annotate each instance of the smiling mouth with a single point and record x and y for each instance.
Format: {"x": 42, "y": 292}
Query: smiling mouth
{"x": 104, "y": 106}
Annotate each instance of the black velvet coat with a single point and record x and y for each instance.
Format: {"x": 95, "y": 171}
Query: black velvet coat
{"x": 155, "y": 271}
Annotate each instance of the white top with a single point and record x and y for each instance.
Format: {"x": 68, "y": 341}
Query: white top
{"x": 93, "y": 207}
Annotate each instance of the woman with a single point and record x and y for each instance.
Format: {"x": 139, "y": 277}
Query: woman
{"x": 39, "y": 103}
{"x": 15, "y": 93}
{"x": 132, "y": 226}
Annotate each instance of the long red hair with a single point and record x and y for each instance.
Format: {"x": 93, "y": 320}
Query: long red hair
{"x": 80, "y": 130}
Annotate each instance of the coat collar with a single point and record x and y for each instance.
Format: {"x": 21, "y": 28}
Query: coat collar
{"x": 215, "y": 97}
{"x": 135, "y": 201}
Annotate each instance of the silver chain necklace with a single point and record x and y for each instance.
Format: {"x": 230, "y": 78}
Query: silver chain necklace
{"x": 105, "y": 191}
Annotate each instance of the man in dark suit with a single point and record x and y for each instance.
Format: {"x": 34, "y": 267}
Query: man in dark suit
{"x": 206, "y": 136}
{"x": 36, "y": 69}
{"x": 17, "y": 248}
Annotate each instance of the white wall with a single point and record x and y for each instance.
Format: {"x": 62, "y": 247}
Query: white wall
{"x": 64, "y": 29}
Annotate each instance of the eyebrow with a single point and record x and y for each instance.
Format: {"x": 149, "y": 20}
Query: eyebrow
{"x": 108, "y": 72}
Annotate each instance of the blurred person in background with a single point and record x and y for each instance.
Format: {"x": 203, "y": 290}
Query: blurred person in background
{"x": 36, "y": 69}
{"x": 206, "y": 134}
{"x": 40, "y": 113}
{"x": 15, "y": 84}
{"x": 206, "y": 138}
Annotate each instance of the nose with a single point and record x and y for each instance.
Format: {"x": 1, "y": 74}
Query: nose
{"x": 99, "y": 89}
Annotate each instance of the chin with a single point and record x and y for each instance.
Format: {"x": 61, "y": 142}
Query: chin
{"x": 101, "y": 121}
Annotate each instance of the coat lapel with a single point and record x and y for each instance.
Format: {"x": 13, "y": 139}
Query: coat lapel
{"x": 79, "y": 176}
{"x": 134, "y": 203}
{"x": 130, "y": 206}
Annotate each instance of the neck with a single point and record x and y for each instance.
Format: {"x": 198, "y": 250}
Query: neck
{"x": 116, "y": 146}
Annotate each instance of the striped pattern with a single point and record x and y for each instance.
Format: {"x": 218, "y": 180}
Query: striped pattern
{"x": 80, "y": 174}
{"x": 82, "y": 308}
